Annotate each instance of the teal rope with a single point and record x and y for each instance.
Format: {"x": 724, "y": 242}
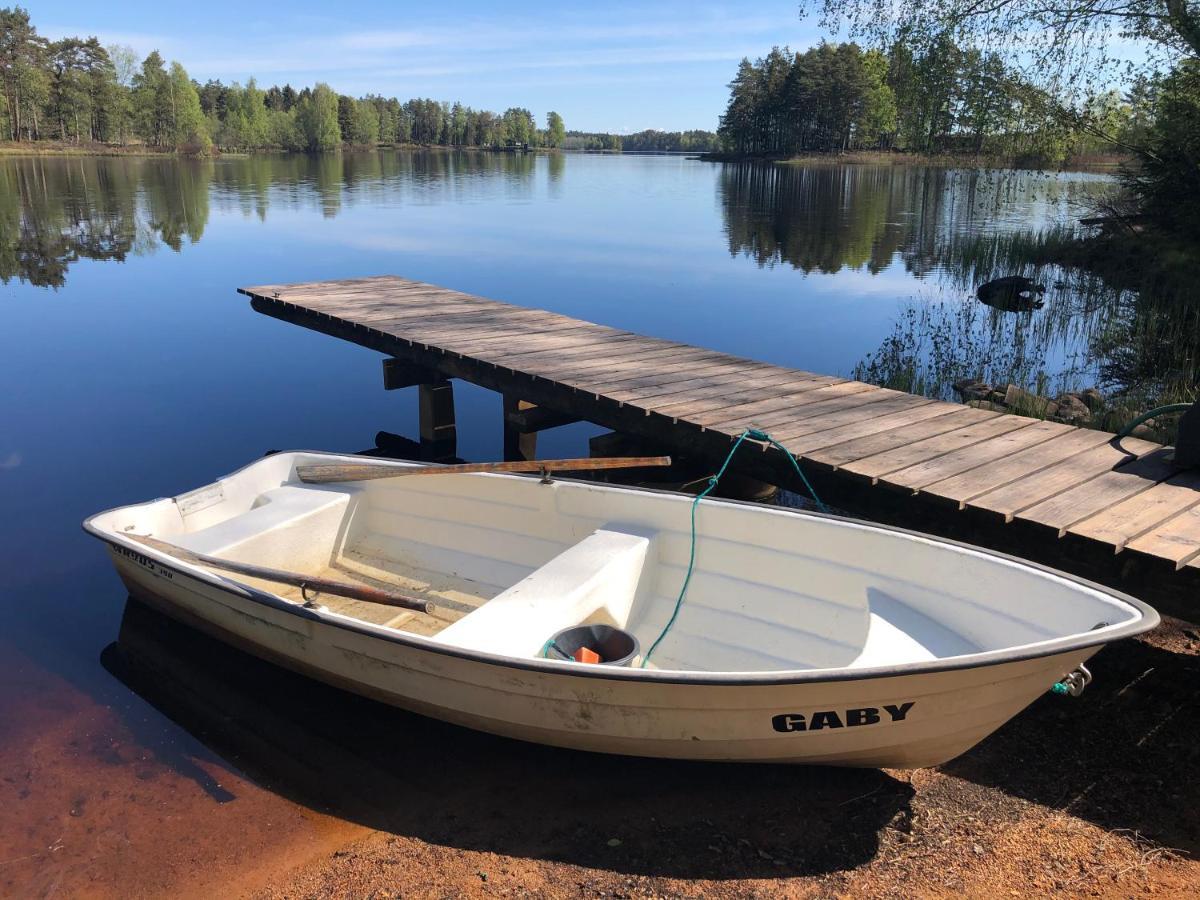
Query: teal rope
{"x": 752, "y": 434}
{"x": 1158, "y": 411}
{"x": 763, "y": 436}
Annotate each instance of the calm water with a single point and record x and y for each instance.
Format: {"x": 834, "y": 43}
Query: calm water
{"x": 132, "y": 369}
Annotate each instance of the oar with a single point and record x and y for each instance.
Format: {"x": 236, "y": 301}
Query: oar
{"x": 328, "y": 474}
{"x": 306, "y": 583}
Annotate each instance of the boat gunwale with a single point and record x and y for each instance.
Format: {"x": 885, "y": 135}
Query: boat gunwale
{"x": 1148, "y": 619}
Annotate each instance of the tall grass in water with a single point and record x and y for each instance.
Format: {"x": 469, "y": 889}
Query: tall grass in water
{"x": 935, "y": 344}
{"x": 1128, "y": 327}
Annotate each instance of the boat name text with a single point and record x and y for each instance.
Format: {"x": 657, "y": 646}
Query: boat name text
{"x": 144, "y": 561}
{"x": 867, "y": 715}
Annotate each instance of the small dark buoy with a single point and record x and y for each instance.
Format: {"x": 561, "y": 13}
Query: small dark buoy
{"x": 1013, "y": 293}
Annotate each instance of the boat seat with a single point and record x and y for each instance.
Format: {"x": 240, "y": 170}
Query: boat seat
{"x": 266, "y": 533}
{"x": 897, "y": 634}
{"x": 597, "y": 576}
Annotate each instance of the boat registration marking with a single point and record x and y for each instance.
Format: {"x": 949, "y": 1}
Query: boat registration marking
{"x": 201, "y": 498}
{"x": 850, "y": 718}
{"x": 144, "y": 561}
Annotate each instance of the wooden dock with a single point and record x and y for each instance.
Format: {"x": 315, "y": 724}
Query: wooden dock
{"x": 1110, "y": 509}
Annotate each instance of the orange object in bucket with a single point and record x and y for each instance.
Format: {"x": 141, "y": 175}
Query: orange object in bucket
{"x": 586, "y": 655}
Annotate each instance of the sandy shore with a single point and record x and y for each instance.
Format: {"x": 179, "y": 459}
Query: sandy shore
{"x": 289, "y": 789}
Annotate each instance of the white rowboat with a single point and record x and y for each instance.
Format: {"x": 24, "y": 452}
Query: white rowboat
{"x": 802, "y": 638}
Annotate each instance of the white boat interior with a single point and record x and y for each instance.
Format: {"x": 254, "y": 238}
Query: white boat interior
{"x": 509, "y": 561}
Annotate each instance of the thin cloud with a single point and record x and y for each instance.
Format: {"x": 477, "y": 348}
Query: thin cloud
{"x": 485, "y": 38}
{"x": 142, "y": 42}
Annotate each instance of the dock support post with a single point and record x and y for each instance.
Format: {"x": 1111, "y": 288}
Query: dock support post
{"x": 435, "y": 403}
{"x": 518, "y": 444}
{"x": 439, "y": 434}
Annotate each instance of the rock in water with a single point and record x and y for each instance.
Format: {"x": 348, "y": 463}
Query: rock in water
{"x": 1073, "y": 410}
{"x": 1013, "y": 293}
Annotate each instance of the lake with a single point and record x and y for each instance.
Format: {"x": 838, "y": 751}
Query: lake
{"x": 133, "y": 370}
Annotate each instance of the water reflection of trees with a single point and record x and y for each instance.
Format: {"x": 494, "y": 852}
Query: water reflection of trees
{"x": 958, "y": 229}
{"x": 339, "y": 181}
{"x": 55, "y": 211}
{"x": 827, "y": 218}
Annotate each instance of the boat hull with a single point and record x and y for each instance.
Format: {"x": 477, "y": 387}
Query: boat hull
{"x": 908, "y": 720}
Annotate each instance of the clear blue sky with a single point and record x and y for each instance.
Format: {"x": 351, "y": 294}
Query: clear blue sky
{"x": 606, "y": 67}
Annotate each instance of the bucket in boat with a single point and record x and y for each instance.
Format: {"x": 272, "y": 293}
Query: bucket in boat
{"x": 615, "y": 646}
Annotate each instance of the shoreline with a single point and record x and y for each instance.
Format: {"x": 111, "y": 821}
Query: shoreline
{"x": 59, "y": 148}
{"x": 1105, "y": 163}
{"x": 853, "y": 158}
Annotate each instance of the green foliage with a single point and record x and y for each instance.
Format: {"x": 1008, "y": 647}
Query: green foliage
{"x": 152, "y": 101}
{"x": 556, "y": 131}
{"x": 317, "y": 119}
{"x": 518, "y": 127}
{"x": 188, "y": 128}
{"x": 938, "y": 99}
{"x": 1063, "y": 100}
{"x": 1168, "y": 181}
{"x": 82, "y": 87}
{"x": 75, "y": 89}
{"x": 23, "y": 74}
{"x": 364, "y": 125}
{"x": 832, "y": 97}
{"x": 166, "y": 107}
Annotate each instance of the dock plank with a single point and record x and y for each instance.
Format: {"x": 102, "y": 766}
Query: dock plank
{"x": 809, "y": 437}
{"x": 1078, "y": 503}
{"x": 717, "y": 408}
{"x": 967, "y": 485}
{"x": 881, "y": 464}
{"x": 1050, "y": 481}
{"x": 1143, "y": 512}
{"x": 670, "y": 385}
{"x": 969, "y": 459}
{"x": 684, "y": 376}
{"x": 861, "y": 447}
{"x": 1177, "y": 539}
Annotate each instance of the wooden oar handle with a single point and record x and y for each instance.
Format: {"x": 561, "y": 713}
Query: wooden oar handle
{"x": 304, "y": 582}
{"x": 339, "y": 472}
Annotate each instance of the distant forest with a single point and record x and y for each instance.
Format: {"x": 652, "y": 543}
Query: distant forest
{"x": 695, "y": 141}
{"x": 76, "y": 90}
{"x": 946, "y": 99}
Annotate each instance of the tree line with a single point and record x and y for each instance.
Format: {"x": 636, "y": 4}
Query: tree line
{"x": 77, "y": 90}
{"x": 695, "y": 141}
{"x": 939, "y": 99}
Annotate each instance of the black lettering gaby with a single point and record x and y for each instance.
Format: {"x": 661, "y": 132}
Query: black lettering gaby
{"x": 822, "y": 719}
{"x": 898, "y": 712}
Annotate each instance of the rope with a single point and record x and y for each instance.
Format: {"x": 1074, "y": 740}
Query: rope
{"x": 1157, "y": 411}
{"x": 753, "y": 434}
{"x": 1073, "y": 683}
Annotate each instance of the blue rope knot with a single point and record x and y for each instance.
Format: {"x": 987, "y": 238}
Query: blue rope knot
{"x": 754, "y": 434}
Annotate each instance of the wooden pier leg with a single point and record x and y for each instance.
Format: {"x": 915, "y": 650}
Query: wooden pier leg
{"x": 518, "y": 444}
{"x": 435, "y": 402}
{"x": 439, "y": 435}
